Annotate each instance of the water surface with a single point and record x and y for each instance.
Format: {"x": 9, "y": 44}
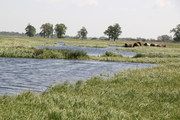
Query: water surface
{"x": 92, "y": 51}
{"x": 18, "y": 75}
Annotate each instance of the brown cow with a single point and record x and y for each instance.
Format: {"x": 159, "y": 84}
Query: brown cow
{"x": 136, "y": 45}
{"x": 125, "y": 45}
{"x": 158, "y": 45}
{"x": 128, "y": 45}
{"x": 139, "y": 43}
{"x": 163, "y": 45}
{"x": 152, "y": 44}
{"x": 146, "y": 44}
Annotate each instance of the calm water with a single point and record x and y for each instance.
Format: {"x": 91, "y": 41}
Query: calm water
{"x": 18, "y": 75}
{"x": 92, "y": 51}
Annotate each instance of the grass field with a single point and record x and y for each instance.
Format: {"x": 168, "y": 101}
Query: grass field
{"x": 146, "y": 94}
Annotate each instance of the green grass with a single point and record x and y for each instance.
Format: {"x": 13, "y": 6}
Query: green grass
{"x": 145, "y": 94}
{"x": 25, "y": 47}
{"x": 22, "y": 52}
{"x": 37, "y": 41}
{"x": 111, "y": 54}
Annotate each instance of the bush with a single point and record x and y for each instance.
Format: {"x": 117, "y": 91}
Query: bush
{"x": 139, "y": 55}
{"x": 109, "y": 54}
{"x": 38, "y": 52}
{"x": 70, "y": 54}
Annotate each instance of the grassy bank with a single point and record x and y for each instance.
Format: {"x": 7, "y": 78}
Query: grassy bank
{"x": 25, "y": 47}
{"x": 23, "y": 52}
{"x": 146, "y": 94}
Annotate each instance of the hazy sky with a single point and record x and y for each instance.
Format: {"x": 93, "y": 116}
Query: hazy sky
{"x": 138, "y": 18}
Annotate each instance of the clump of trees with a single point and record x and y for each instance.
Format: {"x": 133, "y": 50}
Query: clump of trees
{"x": 30, "y": 30}
{"x": 113, "y": 31}
{"x": 82, "y": 33}
{"x": 176, "y": 32}
{"x": 164, "y": 38}
{"x": 60, "y": 30}
{"x": 46, "y": 30}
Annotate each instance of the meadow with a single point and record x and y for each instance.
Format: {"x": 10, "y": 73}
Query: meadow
{"x": 145, "y": 94}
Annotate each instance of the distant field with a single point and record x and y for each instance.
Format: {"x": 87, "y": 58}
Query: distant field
{"x": 38, "y": 41}
{"x": 146, "y": 94}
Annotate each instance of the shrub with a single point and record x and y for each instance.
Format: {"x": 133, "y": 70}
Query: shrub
{"x": 109, "y": 54}
{"x": 139, "y": 55}
{"x": 70, "y": 54}
{"x": 38, "y": 52}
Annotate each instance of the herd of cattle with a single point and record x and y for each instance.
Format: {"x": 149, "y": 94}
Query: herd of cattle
{"x": 137, "y": 44}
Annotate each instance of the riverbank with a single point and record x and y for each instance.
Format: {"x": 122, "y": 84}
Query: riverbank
{"x": 150, "y": 93}
{"x": 137, "y": 94}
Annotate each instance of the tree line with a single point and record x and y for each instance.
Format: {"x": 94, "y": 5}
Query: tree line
{"x": 113, "y": 32}
{"x": 47, "y": 30}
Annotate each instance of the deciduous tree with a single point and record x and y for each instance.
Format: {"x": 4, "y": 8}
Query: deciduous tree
{"x": 176, "y": 32}
{"x": 82, "y": 33}
{"x": 164, "y": 38}
{"x": 113, "y": 32}
{"x": 46, "y": 30}
{"x": 30, "y": 30}
{"x": 60, "y": 30}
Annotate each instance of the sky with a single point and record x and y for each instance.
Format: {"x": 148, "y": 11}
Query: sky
{"x": 138, "y": 18}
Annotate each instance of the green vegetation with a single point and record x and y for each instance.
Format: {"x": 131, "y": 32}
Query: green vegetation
{"x": 176, "y": 32}
{"x": 21, "y": 52}
{"x": 60, "y": 30}
{"x": 74, "y": 54}
{"x": 46, "y": 30}
{"x": 110, "y": 54}
{"x": 164, "y": 38}
{"x": 30, "y": 30}
{"x": 82, "y": 33}
{"x": 113, "y": 32}
{"x": 151, "y": 93}
{"x": 23, "y": 47}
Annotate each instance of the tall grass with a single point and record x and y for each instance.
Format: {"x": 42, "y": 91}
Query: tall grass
{"x": 111, "y": 54}
{"x": 69, "y": 54}
{"x": 23, "y": 52}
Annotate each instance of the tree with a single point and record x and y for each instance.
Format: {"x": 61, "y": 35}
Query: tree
{"x": 30, "y": 30}
{"x": 60, "y": 30}
{"x": 113, "y": 32}
{"x": 46, "y": 30}
{"x": 82, "y": 33}
{"x": 164, "y": 38}
{"x": 176, "y": 32}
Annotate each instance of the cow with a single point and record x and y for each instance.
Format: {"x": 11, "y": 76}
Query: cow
{"x": 136, "y": 45}
{"x": 146, "y": 44}
{"x": 128, "y": 45}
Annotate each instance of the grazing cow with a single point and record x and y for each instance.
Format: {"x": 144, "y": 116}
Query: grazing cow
{"x": 140, "y": 44}
{"x": 128, "y": 45}
{"x": 163, "y": 45}
{"x": 136, "y": 45}
{"x": 146, "y": 44}
{"x": 158, "y": 45}
{"x": 152, "y": 44}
